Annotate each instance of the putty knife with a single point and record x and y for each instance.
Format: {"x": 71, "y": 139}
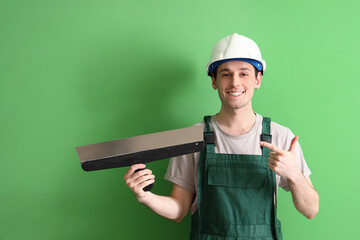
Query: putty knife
{"x": 141, "y": 149}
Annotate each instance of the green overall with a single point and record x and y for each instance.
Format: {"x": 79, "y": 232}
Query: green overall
{"x": 236, "y": 194}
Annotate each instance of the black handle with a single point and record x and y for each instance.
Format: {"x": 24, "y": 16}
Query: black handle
{"x": 147, "y": 188}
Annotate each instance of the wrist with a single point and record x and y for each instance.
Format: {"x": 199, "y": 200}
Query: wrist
{"x": 296, "y": 178}
{"x": 145, "y": 198}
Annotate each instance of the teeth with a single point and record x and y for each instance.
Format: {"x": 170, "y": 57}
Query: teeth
{"x": 236, "y": 93}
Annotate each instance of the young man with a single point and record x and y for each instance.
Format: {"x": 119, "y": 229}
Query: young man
{"x": 231, "y": 186}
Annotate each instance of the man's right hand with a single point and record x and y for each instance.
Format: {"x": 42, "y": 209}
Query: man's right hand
{"x": 137, "y": 181}
{"x": 174, "y": 207}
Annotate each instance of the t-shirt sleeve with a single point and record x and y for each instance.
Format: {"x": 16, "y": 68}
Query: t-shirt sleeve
{"x": 300, "y": 159}
{"x": 181, "y": 171}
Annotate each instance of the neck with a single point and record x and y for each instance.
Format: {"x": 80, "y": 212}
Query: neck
{"x": 236, "y": 121}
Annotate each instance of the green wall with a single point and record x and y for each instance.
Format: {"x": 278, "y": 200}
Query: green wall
{"x": 79, "y": 72}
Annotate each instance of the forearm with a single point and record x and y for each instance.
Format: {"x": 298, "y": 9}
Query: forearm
{"x": 305, "y": 197}
{"x": 165, "y": 206}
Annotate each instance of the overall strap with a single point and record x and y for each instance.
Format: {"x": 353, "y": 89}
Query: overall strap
{"x": 265, "y": 135}
{"x": 209, "y": 136}
{"x": 210, "y": 143}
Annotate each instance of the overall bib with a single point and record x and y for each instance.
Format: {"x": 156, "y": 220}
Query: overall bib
{"x": 236, "y": 194}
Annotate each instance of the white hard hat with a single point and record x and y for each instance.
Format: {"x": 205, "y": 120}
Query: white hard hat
{"x": 235, "y": 47}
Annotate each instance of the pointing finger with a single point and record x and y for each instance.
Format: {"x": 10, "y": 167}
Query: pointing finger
{"x": 272, "y": 147}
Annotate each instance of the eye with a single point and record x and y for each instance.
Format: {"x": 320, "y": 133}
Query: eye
{"x": 244, "y": 74}
{"x": 225, "y": 74}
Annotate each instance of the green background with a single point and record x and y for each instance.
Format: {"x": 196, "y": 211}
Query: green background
{"x": 80, "y": 72}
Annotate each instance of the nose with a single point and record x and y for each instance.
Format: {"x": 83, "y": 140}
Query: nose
{"x": 235, "y": 80}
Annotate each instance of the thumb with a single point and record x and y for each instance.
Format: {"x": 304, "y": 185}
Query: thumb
{"x": 292, "y": 148}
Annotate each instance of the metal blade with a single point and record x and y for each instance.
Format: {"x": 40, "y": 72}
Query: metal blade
{"x": 141, "y": 149}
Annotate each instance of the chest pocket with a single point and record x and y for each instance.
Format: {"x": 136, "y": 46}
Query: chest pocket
{"x": 237, "y": 176}
{"x": 237, "y": 194}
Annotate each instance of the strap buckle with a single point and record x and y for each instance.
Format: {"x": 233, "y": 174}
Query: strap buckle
{"x": 209, "y": 138}
{"x": 266, "y": 137}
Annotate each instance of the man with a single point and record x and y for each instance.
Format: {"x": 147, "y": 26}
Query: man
{"x": 231, "y": 186}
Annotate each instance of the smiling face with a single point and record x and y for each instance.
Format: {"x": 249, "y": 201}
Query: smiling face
{"x": 236, "y": 81}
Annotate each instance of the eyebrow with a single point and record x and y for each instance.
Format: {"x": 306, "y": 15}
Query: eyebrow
{"x": 227, "y": 69}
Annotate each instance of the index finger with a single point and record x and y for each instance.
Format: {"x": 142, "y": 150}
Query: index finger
{"x": 272, "y": 147}
{"x": 133, "y": 168}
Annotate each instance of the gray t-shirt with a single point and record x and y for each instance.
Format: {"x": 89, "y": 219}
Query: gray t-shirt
{"x": 182, "y": 170}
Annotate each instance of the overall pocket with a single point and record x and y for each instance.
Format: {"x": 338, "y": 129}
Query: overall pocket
{"x": 235, "y": 195}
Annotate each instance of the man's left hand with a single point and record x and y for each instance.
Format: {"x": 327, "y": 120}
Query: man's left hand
{"x": 283, "y": 162}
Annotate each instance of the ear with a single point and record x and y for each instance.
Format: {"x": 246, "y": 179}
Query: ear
{"x": 258, "y": 80}
{"x": 213, "y": 80}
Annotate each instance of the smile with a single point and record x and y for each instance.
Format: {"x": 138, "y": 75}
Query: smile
{"x": 236, "y": 93}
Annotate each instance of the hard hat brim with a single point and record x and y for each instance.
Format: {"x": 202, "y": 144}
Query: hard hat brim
{"x": 258, "y": 65}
